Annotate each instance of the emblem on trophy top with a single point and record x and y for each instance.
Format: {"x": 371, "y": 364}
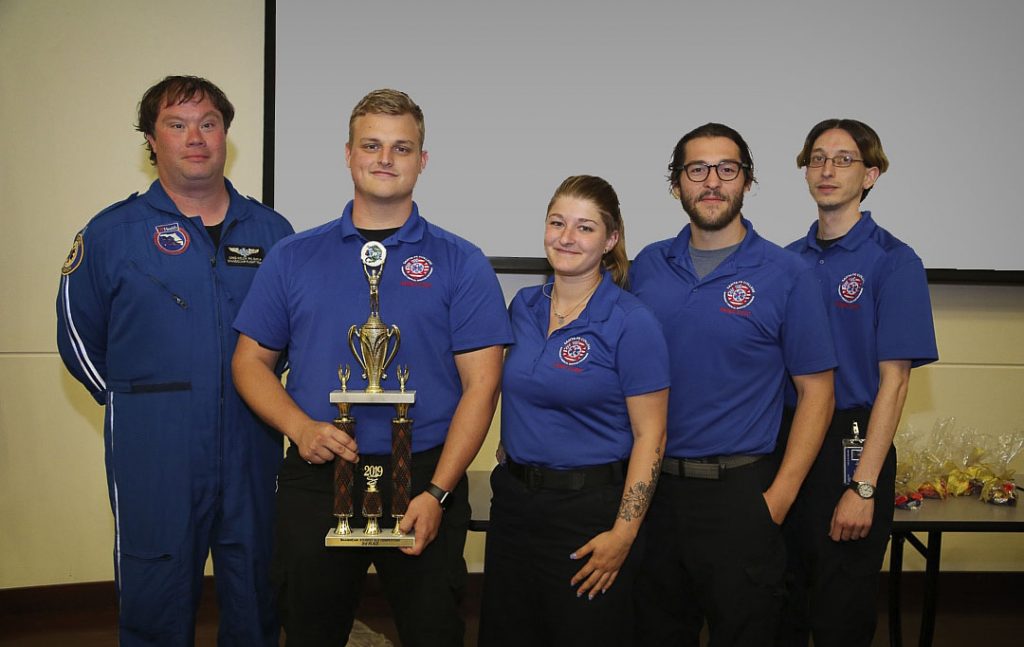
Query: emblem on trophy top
{"x": 373, "y": 254}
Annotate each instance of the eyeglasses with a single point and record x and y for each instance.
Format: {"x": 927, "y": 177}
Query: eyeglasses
{"x": 817, "y": 160}
{"x": 726, "y": 171}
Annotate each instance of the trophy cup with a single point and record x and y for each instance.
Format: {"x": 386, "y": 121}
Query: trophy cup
{"x": 374, "y": 345}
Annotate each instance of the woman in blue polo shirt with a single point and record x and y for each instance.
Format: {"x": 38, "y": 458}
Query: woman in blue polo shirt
{"x": 584, "y": 401}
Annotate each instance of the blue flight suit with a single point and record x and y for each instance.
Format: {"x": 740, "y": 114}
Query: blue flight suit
{"x": 144, "y": 323}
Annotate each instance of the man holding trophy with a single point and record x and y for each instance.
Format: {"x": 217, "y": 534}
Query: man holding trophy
{"x": 390, "y": 325}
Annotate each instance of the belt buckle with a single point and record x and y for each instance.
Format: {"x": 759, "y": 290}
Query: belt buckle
{"x": 534, "y": 478}
{"x": 710, "y": 470}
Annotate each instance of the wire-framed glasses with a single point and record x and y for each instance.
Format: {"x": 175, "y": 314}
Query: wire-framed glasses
{"x": 817, "y": 160}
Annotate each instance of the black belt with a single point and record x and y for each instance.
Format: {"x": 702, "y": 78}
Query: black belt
{"x": 536, "y": 478}
{"x": 711, "y": 467}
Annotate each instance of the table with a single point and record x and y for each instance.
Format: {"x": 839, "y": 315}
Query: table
{"x": 954, "y": 514}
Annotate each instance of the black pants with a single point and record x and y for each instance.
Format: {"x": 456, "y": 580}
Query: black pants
{"x": 319, "y": 588}
{"x": 714, "y": 553}
{"x": 527, "y": 598}
{"x": 832, "y": 585}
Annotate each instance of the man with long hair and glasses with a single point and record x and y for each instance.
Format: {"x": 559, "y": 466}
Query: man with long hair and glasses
{"x": 876, "y": 293}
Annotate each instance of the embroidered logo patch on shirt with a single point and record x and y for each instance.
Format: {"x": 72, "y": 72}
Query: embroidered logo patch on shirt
{"x": 243, "y": 255}
{"x": 417, "y": 268}
{"x": 851, "y": 287}
{"x": 738, "y": 295}
{"x": 74, "y": 258}
{"x": 574, "y": 351}
{"x": 171, "y": 239}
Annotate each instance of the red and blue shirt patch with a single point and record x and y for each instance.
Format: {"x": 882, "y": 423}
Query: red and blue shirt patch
{"x": 417, "y": 268}
{"x": 738, "y": 295}
{"x": 851, "y": 287}
{"x": 574, "y": 350}
{"x": 171, "y": 239}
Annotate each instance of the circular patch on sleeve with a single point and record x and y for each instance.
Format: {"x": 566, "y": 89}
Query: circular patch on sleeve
{"x": 851, "y": 287}
{"x": 75, "y": 256}
{"x": 738, "y": 295}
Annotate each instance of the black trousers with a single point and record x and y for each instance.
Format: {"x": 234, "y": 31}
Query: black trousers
{"x": 714, "y": 553}
{"x": 527, "y": 598}
{"x": 832, "y": 585}
{"x": 319, "y": 588}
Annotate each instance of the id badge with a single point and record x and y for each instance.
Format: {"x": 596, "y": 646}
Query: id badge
{"x": 852, "y": 447}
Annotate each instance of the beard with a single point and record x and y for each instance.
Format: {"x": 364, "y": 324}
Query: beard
{"x": 712, "y": 223}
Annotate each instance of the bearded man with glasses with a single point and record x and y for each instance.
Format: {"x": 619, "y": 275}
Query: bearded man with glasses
{"x": 739, "y": 314}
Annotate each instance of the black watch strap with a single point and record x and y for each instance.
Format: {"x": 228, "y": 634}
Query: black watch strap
{"x": 439, "y": 494}
{"x": 864, "y": 489}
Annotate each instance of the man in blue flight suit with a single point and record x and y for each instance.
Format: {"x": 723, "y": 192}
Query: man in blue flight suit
{"x": 147, "y": 296}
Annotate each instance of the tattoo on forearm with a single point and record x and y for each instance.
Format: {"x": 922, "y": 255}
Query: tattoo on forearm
{"x": 637, "y": 498}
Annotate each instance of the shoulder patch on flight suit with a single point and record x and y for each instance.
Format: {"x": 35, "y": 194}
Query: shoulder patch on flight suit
{"x": 74, "y": 259}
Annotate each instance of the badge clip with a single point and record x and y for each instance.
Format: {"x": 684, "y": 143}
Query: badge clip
{"x": 852, "y": 447}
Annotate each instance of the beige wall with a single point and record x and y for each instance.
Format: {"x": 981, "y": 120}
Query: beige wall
{"x": 980, "y": 382}
{"x": 71, "y": 74}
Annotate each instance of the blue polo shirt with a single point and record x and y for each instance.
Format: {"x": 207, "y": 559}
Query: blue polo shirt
{"x": 564, "y": 397}
{"x": 875, "y": 290}
{"x": 438, "y": 288}
{"x": 732, "y": 337}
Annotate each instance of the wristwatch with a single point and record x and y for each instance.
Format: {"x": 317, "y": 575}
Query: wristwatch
{"x": 439, "y": 494}
{"x": 863, "y": 489}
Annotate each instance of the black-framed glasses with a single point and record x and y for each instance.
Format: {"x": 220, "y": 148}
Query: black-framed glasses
{"x": 726, "y": 170}
{"x": 817, "y": 160}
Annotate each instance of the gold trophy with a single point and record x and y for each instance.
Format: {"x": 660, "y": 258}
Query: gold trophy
{"x": 377, "y": 345}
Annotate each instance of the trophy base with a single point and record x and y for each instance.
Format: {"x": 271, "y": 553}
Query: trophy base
{"x": 359, "y": 539}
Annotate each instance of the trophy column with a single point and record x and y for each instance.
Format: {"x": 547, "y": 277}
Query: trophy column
{"x": 401, "y": 455}
{"x": 344, "y": 474}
